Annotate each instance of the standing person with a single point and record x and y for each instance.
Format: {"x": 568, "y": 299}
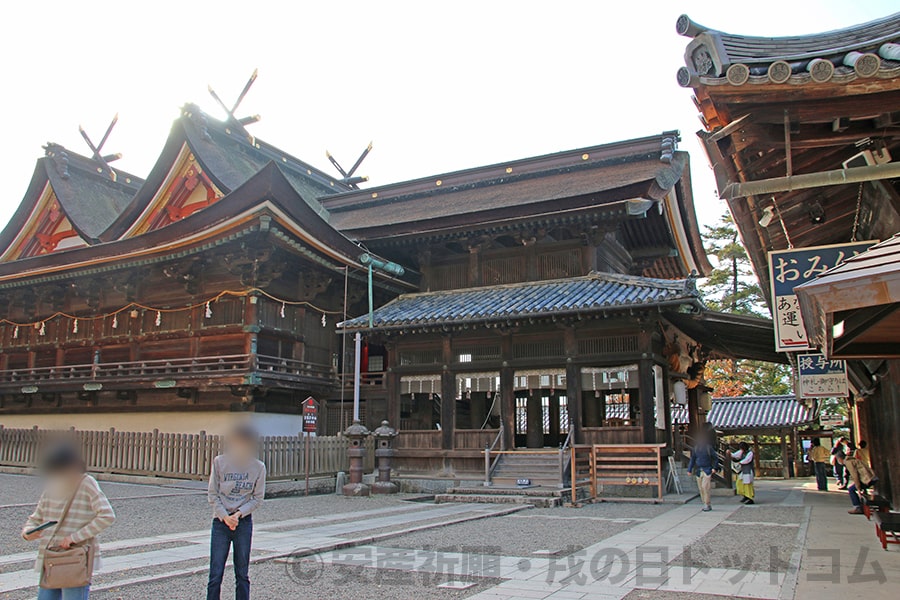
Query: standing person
{"x": 237, "y": 486}
{"x": 861, "y": 477}
{"x": 72, "y": 511}
{"x": 818, "y": 456}
{"x": 838, "y": 453}
{"x": 862, "y": 453}
{"x": 744, "y": 478}
{"x": 705, "y": 463}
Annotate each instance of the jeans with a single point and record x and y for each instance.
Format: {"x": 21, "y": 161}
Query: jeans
{"x": 76, "y": 593}
{"x": 821, "y": 476}
{"x": 221, "y": 540}
{"x": 839, "y": 474}
{"x": 854, "y": 495}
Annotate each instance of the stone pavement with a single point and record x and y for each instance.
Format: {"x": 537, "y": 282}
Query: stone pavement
{"x": 827, "y": 553}
{"x": 270, "y": 540}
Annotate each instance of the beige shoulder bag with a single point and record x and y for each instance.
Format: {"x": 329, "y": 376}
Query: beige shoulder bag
{"x": 68, "y": 568}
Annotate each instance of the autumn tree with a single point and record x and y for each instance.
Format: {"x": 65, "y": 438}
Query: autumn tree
{"x": 732, "y": 287}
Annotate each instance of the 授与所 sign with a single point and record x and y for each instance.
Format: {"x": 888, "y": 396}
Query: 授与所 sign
{"x": 821, "y": 378}
{"x": 790, "y": 268}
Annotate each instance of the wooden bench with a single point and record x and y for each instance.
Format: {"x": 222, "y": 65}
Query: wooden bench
{"x": 887, "y": 528}
{"x": 873, "y": 504}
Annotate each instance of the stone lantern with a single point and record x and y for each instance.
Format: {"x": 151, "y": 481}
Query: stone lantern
{"x": 384, "y": 435}
{"x": 357, "y": 434}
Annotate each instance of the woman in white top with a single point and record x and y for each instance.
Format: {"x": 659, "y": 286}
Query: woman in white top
{"x": 744, "y": 476}
{"x": 88, "y": 515}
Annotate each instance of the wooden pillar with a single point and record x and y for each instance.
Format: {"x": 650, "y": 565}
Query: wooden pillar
{"x": 392, "y": 385}
{"x": 474, "y": 265}
{"x": 535, "y": 420}
{"x": 647, "y": 386}
{"x": 592, "y": 409}
{"x": 693, "y": 412}
{"x": 573, "y": 386}
{"x": 507, "y": 394}
{"x": 795, "y": 453}
{"x": 554, "y": 418}
{"x": 251, "y": 323}
{"x": 785, "y": 471}
{"x": 756, "y": 453}
{"x": 448, "y": 398}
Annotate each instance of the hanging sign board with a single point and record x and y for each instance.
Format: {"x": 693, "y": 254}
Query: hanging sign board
{"x": 821, "y": 378}
{"x": 790, "y": 268}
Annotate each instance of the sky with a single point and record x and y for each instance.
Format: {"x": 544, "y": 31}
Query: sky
{"x": 437, "y": 86}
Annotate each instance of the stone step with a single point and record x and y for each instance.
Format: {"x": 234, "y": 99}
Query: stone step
{"x": 508, "y": 491}
{"x": 487, "y": 498}
{"x": 508, "y": 481}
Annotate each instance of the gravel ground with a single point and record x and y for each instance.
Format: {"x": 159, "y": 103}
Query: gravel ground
{"x": 608, "y": 510}
{"x": 20, "y": 489}
{"x": 769, "y": 514}
{"x": 511, "y": 536}
{"x": 662, "y": 595}
{"x": 278, "y": 580}
{"x": 745, "y": 547}
{"x": 140, "y": 517}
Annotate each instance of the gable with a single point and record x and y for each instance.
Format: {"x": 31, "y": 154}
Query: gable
{"x": 186, "y": 189}
{"x": 46, "y": 230}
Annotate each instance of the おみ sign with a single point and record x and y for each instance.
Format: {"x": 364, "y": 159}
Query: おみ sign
{"x": 790, "y": 268}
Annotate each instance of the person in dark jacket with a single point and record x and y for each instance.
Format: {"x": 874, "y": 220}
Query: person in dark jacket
{"x": 704, "y": 464}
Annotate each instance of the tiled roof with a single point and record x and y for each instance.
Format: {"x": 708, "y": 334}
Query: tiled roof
{"x": 739, "y": 413}
{"x": 842, "y": 56}
{"x": 759, "y": 412}
{"x": 594, "y": 292}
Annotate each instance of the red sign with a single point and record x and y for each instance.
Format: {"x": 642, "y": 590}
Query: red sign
{"x": 310, "y": 415}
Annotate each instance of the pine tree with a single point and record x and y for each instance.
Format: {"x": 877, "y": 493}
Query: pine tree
{"x": 732, "y": 287}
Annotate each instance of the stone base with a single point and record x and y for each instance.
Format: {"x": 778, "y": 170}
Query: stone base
{"x": 356, "y": 489}
{"x": 385, "y": 487}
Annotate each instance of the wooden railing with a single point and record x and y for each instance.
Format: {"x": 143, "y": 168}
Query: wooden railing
{"x": 473, "y": 439}
{"x": 177, "y": 455}
{"x": 422, "y": 439}
{"x": 581, "y": 473}
{"x": 181, "y": 368}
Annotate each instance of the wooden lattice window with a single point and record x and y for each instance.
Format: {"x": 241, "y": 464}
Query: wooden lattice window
{"x": 225, "y": 311}
{"x": 608, "y": 345}
{"x": 499, "y": 270}
{"x": 449, "y": 277}
{"x": 538, "y": 349}
{"x": 476, "y": 353}
{"x": 560, "y": 264}
{"x": 420, "y": 356}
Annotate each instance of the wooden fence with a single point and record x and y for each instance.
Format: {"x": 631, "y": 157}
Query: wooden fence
{"x": 178, "y": 455}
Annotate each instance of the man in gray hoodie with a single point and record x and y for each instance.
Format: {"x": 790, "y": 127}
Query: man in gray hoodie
{"x": 237, "y": 486}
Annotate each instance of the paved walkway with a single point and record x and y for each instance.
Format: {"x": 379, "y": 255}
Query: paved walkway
{"x": 270, "y": 540}
{"x": 837, "y": 554}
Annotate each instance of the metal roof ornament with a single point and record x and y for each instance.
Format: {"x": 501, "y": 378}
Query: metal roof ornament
{"x": 348, "y": 177}
{"x": 238, "y": 123}
{"x": 96, "y": 150}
